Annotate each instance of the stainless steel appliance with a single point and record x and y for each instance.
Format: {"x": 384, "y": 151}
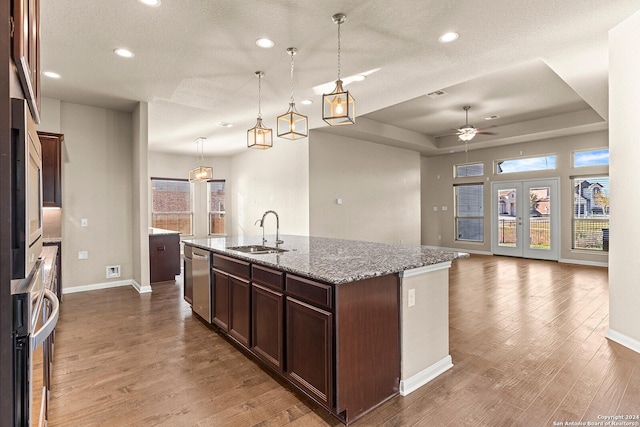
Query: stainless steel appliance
{"x": 201, "y": 283}
{"x": 35, "y": 314}
{"x": 26, "y": 194}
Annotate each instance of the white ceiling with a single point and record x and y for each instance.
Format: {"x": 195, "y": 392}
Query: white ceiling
{"x": 541, "y": 66}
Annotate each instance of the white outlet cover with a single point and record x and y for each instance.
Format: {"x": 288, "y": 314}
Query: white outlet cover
{"x": 411, "y": 297}
{"x": 84, "y": 222}
{"x": 113, "y": 271}
{"x": 83, "y": 255}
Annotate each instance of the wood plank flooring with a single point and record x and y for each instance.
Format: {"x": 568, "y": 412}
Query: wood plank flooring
{"x": 527, "y": 341}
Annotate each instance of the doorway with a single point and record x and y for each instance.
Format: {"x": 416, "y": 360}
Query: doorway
{"x": 525, "y": 218}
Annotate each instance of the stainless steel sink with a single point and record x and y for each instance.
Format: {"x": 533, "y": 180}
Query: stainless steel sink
{"x": 257, "y": 249}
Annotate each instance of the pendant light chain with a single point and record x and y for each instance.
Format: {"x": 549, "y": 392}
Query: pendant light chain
{"x": 339, "y": 23}
{"x": 259, "y": 95}
{"x": 292, "y": 53}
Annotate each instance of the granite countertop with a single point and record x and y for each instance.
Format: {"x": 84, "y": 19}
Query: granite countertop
{"x": 46, "y": 240}
{"x": 334, "y": 261}
{"x": 48, "y": 256}
{"x": 160, "y": 232}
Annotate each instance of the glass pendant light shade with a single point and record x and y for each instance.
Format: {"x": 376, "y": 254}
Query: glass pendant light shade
{"x": 339, "y": 107}
{"x": 201, "y": 173}
{"x": 292, "y": 125}
{"x": 259, "y": 137}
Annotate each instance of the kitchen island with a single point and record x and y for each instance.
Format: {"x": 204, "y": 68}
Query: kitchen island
{"x": 349, "y": 323}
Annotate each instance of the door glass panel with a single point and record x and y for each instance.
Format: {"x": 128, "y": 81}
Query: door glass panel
{"x": 539, "y": 214}
{"x": 507, "y": 217}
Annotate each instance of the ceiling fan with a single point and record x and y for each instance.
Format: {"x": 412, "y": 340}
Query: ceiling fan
{"x": 467, "y": 132}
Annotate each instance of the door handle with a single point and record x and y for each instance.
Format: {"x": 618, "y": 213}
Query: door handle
{"x": 161, "y": 248}
{"x": 48, "y": 326}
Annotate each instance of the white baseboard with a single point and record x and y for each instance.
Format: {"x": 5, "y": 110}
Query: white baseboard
{"x": 106, "y": 285}
{"x": 624, "y": 340}
{"x": 580, "y": 262}
{"x": 421, "y": 378}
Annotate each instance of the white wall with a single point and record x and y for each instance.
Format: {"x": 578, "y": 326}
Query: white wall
{"x": 624, "y": 262}
{"x": 438, "y": 182}
{"x": 96, "y": 185}
{"x": 379, "y": 187}
{"x": 163, "y": 165}
{"x": 140, "y": 204}
{"x": 274, "y": 179}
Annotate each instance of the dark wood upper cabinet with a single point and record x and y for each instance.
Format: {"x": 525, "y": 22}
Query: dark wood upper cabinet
{"x": 26, "y": 50}
{"x": 51, "y": 169}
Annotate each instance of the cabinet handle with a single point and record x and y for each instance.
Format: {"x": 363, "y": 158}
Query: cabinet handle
{"x": 161, "y": 248}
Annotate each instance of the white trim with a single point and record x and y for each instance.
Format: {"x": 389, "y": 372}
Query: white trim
{"x": 465, "y": 250}
{"x": 582, "y": 262}
{"x": 426, "y": 269}
{"x": 624, "y": 340}
{"x": 421, "y": 378}
{"x": 107, "y": 285}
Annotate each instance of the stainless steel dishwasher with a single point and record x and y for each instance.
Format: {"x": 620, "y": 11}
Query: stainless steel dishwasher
{"x": 201, "y": 283}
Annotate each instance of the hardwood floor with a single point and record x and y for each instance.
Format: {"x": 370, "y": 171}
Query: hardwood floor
{"x": 527, "y": 341}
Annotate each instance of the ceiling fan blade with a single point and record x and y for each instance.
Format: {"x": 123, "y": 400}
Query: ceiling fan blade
{"x": 486, "y": 133}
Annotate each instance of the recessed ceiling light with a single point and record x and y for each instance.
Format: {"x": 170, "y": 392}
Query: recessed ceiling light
{"x": 125, "y": 53}
{"x": 306, "y": 102}
{"x": 493, "y": 117}
{"x": 265, "y": 43}
{"x": 152, "y": 3}
{"x": 448, "y": 37}
{"x": 224, "y": 124}
{"x": 51, "y": 74}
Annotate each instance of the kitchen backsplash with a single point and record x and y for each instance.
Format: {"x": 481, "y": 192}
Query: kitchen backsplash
{"x": 52, "y": 222}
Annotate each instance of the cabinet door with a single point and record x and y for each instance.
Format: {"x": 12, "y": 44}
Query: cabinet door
{"x": 51, "y": 169}
{"x": 188, "y": 280}
{"x": 164, "y": 257}
{"x": 309, "y": 349}
{"x": 220, "y": 299}
{"x": 240, "y": 313}
{"x": 267, "y": 325}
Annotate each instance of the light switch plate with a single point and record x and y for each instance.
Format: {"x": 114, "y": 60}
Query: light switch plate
{"x": 83, "y": 255}
{"x": 411, "y": 297}
{"x": 84, "y": 222}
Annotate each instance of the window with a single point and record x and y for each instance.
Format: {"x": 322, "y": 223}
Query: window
{"x": 470, "y": 169}
{"x": 171, "y": 201}
{"x": 591, "y": 213}
{"x": 526, "y": 164}
{"x": 216, "y": 207}
{"x": 469, "y": 212}
{"x": 591, "y": 158}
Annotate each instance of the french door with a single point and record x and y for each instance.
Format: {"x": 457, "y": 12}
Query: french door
{"x": 525, "y": 218}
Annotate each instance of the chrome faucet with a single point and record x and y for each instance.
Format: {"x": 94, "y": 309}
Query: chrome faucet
{"x": 278, "y": 241}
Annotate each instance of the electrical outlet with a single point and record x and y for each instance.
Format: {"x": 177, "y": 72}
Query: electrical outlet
{"x": 84, "y": 222}
{"x": 411, "y": 297}
{"x": 83, "y": 255}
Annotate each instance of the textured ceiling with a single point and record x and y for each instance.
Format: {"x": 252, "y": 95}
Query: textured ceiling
{"x": 195, "y": 61}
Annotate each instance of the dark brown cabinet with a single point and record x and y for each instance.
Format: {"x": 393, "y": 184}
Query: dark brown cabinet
{"x": 232, "y": 297}
{"x": 51, "y": 169}
{"x": 164, "y": 257}
{"x": 267, "y": 311}
{"x": 309, "y": 349}
{"x": 25, "y": 17}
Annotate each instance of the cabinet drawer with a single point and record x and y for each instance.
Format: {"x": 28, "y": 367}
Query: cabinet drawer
{"x": 232, "y": 266}
{"x": 312, "y": 292}
{"x": 267, "y": 277}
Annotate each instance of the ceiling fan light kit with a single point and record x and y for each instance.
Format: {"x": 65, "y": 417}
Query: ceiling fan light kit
{"x": 467, "y": 132}
{"x": 339, "y": 107}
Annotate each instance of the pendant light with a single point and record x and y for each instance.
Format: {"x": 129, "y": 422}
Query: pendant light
{"x": 259, "y": 136}
{"x": 201, "y": 173}
{"x": 292, "y": 125}
{"x": 339, "y": 107}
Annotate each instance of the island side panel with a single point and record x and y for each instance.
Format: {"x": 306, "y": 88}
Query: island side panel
{"x": 367, "y": 344}
{"x": 425, "y": 326}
